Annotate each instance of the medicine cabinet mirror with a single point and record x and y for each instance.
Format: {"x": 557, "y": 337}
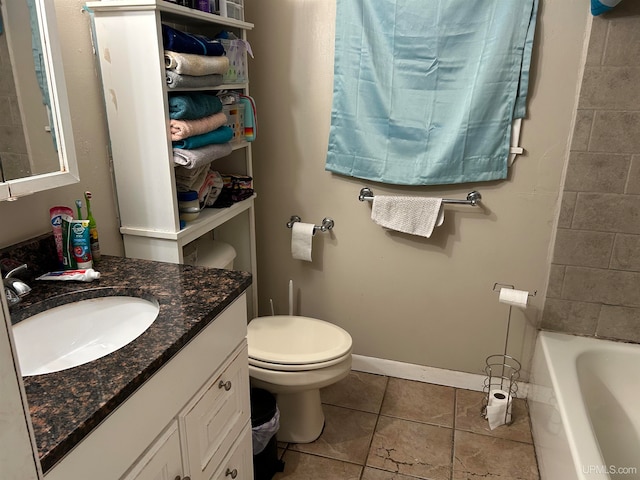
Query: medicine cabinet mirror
{"x": 37, "y": 151}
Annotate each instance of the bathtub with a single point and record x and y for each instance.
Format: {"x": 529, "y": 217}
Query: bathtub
{"x": 584, "y": 402}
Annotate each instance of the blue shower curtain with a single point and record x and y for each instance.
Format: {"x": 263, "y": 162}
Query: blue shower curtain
{"x": 425, "y": 91}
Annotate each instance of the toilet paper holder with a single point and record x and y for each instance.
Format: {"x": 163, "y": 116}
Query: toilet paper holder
{"x": 327, "y": 223}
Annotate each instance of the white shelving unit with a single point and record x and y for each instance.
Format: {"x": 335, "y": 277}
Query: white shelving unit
{"x": 130, "y": 52}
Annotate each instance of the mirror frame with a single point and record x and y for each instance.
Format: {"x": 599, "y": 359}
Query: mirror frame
{"x": 68, "y": 173}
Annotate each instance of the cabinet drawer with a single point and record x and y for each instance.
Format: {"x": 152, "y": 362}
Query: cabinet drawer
{"x": 238, "y": 464}
{"x": 216, "y": 416}
{"x": 162, "y": 461}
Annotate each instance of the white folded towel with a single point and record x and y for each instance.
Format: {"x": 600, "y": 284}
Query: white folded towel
{"x": 414, "y": 215}
{"x": 196, "y": 65}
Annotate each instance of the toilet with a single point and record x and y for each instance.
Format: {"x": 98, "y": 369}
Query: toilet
{"x": 294, "y": 357}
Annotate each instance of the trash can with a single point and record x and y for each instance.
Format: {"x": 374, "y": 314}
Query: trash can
{"x": 265, "y": 421}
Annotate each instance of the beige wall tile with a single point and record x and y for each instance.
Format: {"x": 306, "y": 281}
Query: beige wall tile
{"x": 607, "y": 212}
{"x": 622, "y": 323}
{"x": 615, "y": 132}
{"x": 633, "y": 184}
{"x": 556, "y": 277}
{"x": 597, "y": 41}
{"x": 582, "y": 130}
{"x": 570, "y": 317}
{"x": 610, "y": 88}
{"x": 626, "y": 253}
{"x": 567, "y": 207}
{"x": 597, "y": 172}
{"x": 611, "y": 287}
{"x": 583, "y": 248}
{"x": 623, "y": 41}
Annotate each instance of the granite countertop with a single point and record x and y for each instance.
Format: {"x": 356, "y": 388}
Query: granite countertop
{"x": 65, "y": 406}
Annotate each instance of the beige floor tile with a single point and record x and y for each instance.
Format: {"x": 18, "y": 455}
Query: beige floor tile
{"x": 346, "y": 436}
{"x": 469, "y": 418}
{"x": 359, "y": 390}
{"x": 418, "y": 401}
{"x": 300, "y": 466}
{"x": 411, "y": 448}
{"x": 482, "y": 457}
{"x": 375, "y": 474}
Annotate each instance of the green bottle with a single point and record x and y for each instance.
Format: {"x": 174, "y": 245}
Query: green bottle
{"x": 93, "y": 229}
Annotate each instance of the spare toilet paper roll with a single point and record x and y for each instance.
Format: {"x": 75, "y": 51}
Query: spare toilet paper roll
{"x": 301, "y": 237}
{"x": 517, "y": 298}
{"x": 498, "y": 408}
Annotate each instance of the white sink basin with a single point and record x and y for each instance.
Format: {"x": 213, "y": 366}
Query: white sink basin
{"x": 76, "y": 333}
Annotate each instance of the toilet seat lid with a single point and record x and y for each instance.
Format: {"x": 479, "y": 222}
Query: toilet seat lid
{"x": 294, "y": 340}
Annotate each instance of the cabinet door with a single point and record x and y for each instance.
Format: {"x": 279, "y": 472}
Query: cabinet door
{"x": 163, "y": 460}
{"x": 216, "y": 418}
{"x": 238, "y": 464}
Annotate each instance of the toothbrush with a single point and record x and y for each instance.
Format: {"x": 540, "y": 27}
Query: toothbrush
{"x": 93, "y": 229}
{"x": 79, "y": 208}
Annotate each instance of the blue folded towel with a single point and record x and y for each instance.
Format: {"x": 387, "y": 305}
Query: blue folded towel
{"x": 220, "y": 135}
{"x": 598, "y": 7}
{"x": 193, "y": 105}
{"x": 183, "y": 42}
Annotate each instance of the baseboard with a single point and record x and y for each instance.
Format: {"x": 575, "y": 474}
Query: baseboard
{"x": 421, "y": 373}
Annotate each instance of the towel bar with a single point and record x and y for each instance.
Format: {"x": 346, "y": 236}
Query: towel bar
{"x": 473, "y": 198}
{"x": 327, "y": 223}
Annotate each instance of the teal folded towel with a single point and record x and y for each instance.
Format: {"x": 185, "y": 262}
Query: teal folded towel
{"x": 598, "y": 7}
{"x": 425, "y": 92}
{"x": 193, "y": 105}
{"x": 220, "y": 135}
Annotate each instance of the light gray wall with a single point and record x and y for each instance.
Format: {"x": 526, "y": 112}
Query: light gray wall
{"x": 427, "y": 302}
{"x": 421, "y": 301}
{"x": 594, "y": 284}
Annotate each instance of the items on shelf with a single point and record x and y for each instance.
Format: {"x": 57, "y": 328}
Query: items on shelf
{"x": 236, "y": 189}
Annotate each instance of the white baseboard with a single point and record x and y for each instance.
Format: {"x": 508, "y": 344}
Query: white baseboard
{"x": 421, "y": 373}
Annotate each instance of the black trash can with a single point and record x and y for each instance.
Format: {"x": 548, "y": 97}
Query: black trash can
{"x": 264, "y": 425}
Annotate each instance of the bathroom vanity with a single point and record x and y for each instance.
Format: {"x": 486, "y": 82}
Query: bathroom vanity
{"x": 171, "y": 404}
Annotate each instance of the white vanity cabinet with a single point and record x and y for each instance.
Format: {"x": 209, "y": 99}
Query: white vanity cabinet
{"x": 191, "y": 419}
{"x": 130, "y": 52}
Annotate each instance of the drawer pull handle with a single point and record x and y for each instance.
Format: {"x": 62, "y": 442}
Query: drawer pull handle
{"x": 227, "y": 386}
{"x": 233, "y": 473}
{"x": 183, "y": 478}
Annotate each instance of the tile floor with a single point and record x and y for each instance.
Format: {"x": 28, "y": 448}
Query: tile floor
{"x": 385, "y": 428}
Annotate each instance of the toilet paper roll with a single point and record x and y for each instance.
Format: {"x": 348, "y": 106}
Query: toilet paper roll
{"x": 498, "y": 408}
{"x": 517, "y": 298}
{"x": 301, "y": 236}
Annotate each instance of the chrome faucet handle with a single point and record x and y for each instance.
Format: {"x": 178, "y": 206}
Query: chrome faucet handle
{"x": 12, "y": 297}
{"x": 16, "y": 270}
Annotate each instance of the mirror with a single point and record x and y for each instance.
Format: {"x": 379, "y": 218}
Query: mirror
{"x": 36, "y": 140}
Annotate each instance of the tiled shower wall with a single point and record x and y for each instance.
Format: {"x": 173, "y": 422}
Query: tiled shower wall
{"x": 594, "y": 285}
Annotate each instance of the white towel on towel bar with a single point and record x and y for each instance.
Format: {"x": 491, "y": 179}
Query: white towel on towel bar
{"x": 414, "y": 215}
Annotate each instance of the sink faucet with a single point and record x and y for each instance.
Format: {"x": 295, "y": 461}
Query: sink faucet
{"x": 15, "y": 288}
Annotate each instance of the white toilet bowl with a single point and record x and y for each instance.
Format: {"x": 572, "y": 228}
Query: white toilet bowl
{"x": 294, "y": 357}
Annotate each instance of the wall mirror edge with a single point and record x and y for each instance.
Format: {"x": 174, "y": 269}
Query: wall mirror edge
{"x": 68, "y": 172}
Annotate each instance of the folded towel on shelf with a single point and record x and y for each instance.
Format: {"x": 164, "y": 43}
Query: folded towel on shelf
{"x": 193, "y": 179}
{"x": 250, "y": 118}
{"x": 598, "y": 7}
{"x": 179, "y": 41}
{"x": 220, "y": 135}
{"x": 175, "y": 80}
{"x": 181, "y": 129}
{"x": 193, "y": 105}
{"x": 197, "y": 157}
{"x": 414, "y": 215}
{"x": 190, "y": 64}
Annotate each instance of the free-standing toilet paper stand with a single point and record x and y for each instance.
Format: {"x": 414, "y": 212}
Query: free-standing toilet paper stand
{"x": 502, "y": 373}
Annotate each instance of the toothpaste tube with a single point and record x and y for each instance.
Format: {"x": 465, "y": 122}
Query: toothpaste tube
{"x": 83, "y": 275}
{"x": 81, "y": 243}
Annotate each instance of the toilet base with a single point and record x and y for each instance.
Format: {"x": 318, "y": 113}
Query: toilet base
{"x": 301, "y": 416}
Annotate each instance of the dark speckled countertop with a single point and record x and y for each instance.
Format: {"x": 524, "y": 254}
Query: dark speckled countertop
{"x": 65, "y": 406}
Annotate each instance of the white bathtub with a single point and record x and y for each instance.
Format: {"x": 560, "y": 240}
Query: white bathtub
{"x": 585, "y": 408}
